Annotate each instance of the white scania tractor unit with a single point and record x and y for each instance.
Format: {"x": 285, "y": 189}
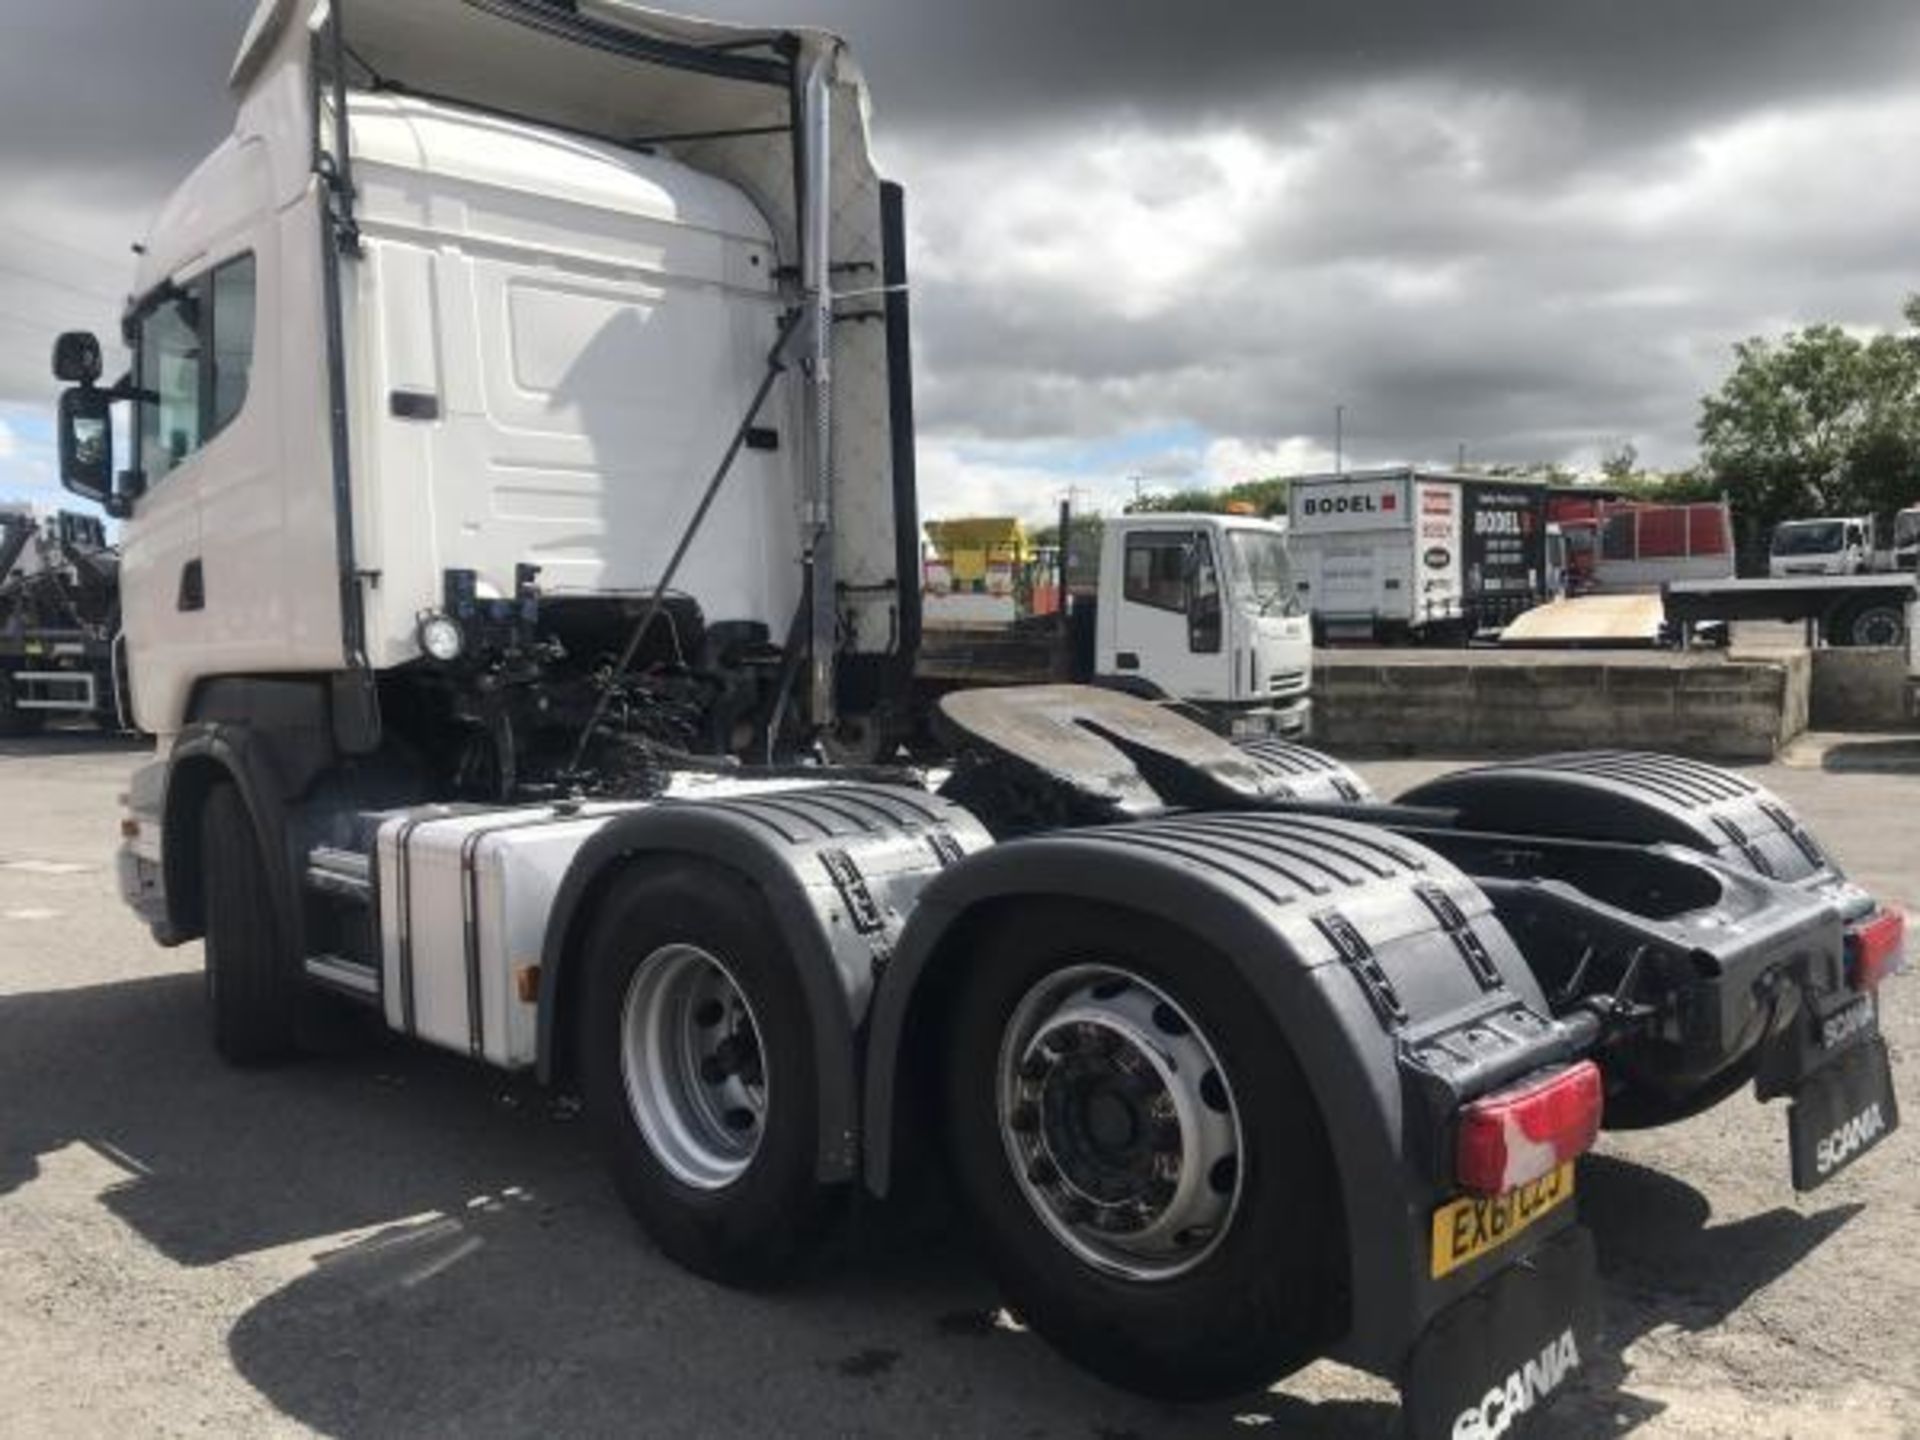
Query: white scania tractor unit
{"x": 520, "y": 537}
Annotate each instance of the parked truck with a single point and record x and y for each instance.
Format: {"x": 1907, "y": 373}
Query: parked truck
{"x": 1417, "y": 554}
{"x": 1198, "y": 610}
{"x": 521, "y": 490}
{"x": 1830, "y": 545}
{"x": 1906, "y": 540}
{"x": 59, "y": 619}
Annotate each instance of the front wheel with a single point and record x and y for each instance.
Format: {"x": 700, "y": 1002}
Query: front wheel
{"x": 252, "y": 976}
{"x": 698, "y": 1061}
{"x": 1142, "y": 1157}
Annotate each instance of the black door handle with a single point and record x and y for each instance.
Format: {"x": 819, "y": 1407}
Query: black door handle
{"x": 193, "y": 589}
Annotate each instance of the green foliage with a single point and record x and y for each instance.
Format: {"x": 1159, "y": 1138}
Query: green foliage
{"x": 1267, "y": 497}
{"x": 1818, "y": 422}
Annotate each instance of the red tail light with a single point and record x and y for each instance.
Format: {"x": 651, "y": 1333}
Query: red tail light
{"x": 1522, "y": 1133}
{"x": 1876, "y": 948}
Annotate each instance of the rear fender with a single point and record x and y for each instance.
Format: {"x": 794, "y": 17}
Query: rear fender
{"x": 1640, "y": 799}
{"x": 206, "y": 755}
{"x": 1383, "y": 965}
{"x": 839, "y": 866}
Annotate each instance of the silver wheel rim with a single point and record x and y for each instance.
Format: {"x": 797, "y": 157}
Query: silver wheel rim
{"x": 694, "y": 1066}
{"x": 1120, "y": 1124}
{"x": 1879, "y": 626}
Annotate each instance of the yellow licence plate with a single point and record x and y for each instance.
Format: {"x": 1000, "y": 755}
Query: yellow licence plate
{"x": 1467, "y": 1228}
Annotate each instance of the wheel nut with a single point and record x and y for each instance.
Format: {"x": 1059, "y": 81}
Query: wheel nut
{"x": 1035, "y": 1067}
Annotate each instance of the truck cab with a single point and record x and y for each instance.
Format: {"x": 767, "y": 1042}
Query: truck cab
{"x": 1204, "y": 608}
{"x": 1906, "y": 539}
{"x": 1838, "y": 545}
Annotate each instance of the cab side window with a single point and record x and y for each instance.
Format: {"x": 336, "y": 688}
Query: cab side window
{"x": 232, "y": 330}
{"x": 1156, "y": 569}
{"x": 194, "y": 358}
{"x": 170, "y": 374}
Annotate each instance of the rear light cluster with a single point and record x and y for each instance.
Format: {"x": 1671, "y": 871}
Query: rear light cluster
{"x": 1876, "y": 948}
{"x": 1525, "y": 1132}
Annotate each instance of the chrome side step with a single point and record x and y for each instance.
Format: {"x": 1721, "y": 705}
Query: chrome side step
{"x": 343, "y": 874}
{"x": 345, "y": 977}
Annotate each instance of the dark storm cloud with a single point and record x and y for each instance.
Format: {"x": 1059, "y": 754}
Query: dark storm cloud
{"x": 991, "y": 63}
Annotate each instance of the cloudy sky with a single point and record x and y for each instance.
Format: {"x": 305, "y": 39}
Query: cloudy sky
{"x": 1158, "y": 244}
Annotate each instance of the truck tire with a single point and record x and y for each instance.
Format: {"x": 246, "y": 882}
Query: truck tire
{"x": 1141, "y": 1156}
{"x": 1881, "y": 623}
{"x": 253, "y": 985}
{"x": 698, "y": 1063}
{"x": 14, "y": 721}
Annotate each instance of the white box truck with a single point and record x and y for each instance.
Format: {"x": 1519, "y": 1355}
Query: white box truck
{"x": 523, "y": 460}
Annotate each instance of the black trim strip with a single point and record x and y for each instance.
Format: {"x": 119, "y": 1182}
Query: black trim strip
{"x": 470, "y": 911}
{"x": 1460, "y": 930}
{"x": 557, "y": 18}
{"x": 403, "y": 926}
{"x": 906, "y": 480}
{"x": 1364, "y": 966}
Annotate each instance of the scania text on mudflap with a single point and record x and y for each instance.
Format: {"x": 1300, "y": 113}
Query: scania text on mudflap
{"x": 514, "y": 547}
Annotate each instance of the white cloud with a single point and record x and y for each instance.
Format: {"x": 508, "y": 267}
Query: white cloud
{"x": 9, "y": 443}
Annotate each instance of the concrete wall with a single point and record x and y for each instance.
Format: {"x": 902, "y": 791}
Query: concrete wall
{"x": 1493, "y": 702}
{"x": 1860, "y": 689}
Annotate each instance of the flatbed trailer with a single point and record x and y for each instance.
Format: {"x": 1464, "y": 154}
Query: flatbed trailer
{"x": 1836, "y": 609}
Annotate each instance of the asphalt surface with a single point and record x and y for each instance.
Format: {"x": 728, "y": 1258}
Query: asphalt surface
{"x": 392, "y": 1242}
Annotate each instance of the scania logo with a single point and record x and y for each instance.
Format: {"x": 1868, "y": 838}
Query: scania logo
{"x": 1502, "y": 1406}
{"x": 1858, "y": 1133}
{"x": 1385, "y": 503}
{"x": 1438, "y": 557}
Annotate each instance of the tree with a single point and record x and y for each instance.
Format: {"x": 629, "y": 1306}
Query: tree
{"x": 1265, "y": 497}
{"x": 1819, "y": 422}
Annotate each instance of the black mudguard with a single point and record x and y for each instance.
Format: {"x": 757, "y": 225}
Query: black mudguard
{"x": 1736, "y": 999}
{"x": 1640, "y": 799}
{"x": 840, "y": 866}
{"x": 1399, "y": 991}
{"x": 1306, "y": 775}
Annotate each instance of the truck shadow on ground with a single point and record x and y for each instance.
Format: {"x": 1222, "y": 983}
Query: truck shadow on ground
{"x": 472, "y": 1272}
{"x": 78, "y": 741}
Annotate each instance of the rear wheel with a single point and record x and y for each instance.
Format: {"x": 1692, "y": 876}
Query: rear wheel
{"x": 698, "y": 1061}
{"x": 1142, "y": 1157}
{"x": 253, "y": 984}
{"x": 13, "y": 720}
{"x": 1881, "y": 623}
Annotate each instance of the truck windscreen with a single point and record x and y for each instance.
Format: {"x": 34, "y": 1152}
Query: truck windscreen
{"x": 1820, "y": 537}
{"x": 1262, "y": 573}
{"x": 1906, "y": 529}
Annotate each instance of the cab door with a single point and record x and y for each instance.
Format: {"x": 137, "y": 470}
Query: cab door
{"x": 162, "y": 579}
{"x": 1170, "y": 621}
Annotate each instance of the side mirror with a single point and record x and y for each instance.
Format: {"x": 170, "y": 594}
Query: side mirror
{"x": 86, "y": 445}
{"x": 76, "y": 358}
